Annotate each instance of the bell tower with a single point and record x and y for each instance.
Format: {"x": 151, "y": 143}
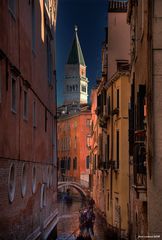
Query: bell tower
{"x": 75, "y": 81}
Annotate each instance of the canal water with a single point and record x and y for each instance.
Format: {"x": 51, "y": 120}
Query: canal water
{"x": 69, "y": 222}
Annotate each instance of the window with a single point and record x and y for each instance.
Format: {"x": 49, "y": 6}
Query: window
{"x": 88, "y": 141}
{"x": 117, "y": 148}
{"x": 34, "y": 114}
{"x": 75, "y": 163}
{"x": 84, "y": 89}
{"x": 75, "y": 142}
{"x": 13, "y": 95}
{"x": 69, "y": 163}
{"x": 95, "y": 162}
{"x": 34, "y": 179}
{"x": 87, "y": 162}
{"x": 122, "y": 65}
{"x": 33, "y": 24}
{"x": 0, "y": 83}
{"x": 25, "y": 109}
{"x": 108, "y": 105}
{"x": 12, "y": 7}
{"x": 43, "y": 199}
{"x": 88, "y": 122}
{"x": 23, "y": 180}
{"x": 63, "y": 165}
{"x": 108, "y": 147}
{"x": 11, "y": 183}
{"x": 117, "y": 98}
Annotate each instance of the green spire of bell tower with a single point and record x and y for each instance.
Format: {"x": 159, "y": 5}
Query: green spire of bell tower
{"x": 76, "y": 55}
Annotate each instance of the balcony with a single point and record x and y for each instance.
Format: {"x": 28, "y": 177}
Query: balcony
{"x": 98, "y": 110}
{"x": 106, "y": 112}
{"x": 102, "y": 122}
{"x": 115, "y": 165}
{"x": 139, "y": 170}
{"x": 115, "y": 111}
{"x": 104, "y": 165}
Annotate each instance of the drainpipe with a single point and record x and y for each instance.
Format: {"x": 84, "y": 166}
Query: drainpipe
{"x": 19, "y": 62}
{"x": 112, "y": 147}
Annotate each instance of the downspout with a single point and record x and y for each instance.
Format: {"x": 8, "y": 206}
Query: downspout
{"x": 112, "y": 146}
{"x": 19, "y": 80}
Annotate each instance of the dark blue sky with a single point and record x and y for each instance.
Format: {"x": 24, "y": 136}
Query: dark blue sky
{"x": 91, "y": 18}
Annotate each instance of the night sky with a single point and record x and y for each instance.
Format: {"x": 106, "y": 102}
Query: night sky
{"x": 91, "y": 18}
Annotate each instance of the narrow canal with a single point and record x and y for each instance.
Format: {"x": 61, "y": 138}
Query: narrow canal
{"x": 69, "y": 221}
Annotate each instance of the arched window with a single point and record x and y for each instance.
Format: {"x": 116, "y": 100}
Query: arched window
{"x": 34, "y": 179}
{"x": 43, "y": 199}
{"x": 69, "y": 163}
{"x": 23, "y": 180}
{"x": 12, "y": 182}
{"x": 75, "y": 163}
{"x": 87, "y": 162}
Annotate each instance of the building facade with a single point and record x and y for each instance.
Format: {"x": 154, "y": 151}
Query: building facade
{"x": 118, "y": 36}
{"x": 109, "y": 154}
{"x": 73, "y": 145}
{"x": 28, "y": 161}
{"x": 144, "y": 18}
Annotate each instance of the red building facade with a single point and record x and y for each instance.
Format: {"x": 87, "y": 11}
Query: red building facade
{"x": 73, "y": 145}
{"x": 28, "y": 165}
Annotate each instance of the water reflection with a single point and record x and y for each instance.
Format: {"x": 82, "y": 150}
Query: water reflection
{"x": 69, "y": 222}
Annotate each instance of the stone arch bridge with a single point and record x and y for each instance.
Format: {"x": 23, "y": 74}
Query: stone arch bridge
{"x": 81, "y": 186}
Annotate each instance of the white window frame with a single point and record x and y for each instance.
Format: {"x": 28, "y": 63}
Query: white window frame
{"x": 12, "y": 182}
{"x": 34, "y": 179}
{"x": 24, "y": 180}
{"x": 43, "y": 195}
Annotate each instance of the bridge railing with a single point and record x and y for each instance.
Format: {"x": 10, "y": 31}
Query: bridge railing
{"x": 81, "y": 182}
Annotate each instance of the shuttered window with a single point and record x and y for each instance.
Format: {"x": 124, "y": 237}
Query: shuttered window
{"x": 117, "y": 148}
